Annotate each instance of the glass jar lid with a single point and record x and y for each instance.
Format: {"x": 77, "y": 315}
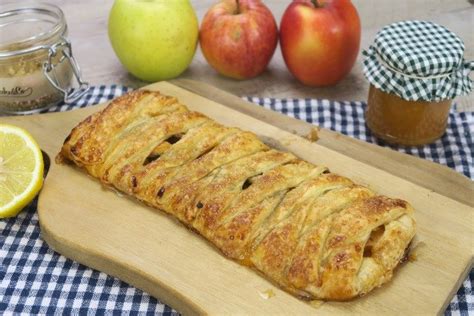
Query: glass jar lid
{"x": 418, "y": 60}
{"x": 28, "y": 27}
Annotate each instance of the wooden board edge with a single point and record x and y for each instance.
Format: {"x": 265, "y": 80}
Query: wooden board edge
{"x": 441, "y": 179}
{"x": 102, "y": 263}
{"x": 457, "y": 286}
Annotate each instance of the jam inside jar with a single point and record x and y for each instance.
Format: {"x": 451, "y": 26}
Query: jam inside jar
{"x": 403, "y": 122}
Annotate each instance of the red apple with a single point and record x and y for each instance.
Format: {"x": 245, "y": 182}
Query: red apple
{"x": 238, "y": 37}
{"x": 320, "y": 40}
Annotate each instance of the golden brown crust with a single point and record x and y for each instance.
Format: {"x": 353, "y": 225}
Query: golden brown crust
{"x": 314, "y": 233}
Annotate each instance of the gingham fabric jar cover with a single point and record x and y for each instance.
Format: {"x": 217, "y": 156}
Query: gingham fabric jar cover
{"x": 418, "y": 61}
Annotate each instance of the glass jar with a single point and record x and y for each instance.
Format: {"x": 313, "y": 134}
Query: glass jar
{"x": 410, "y": 123}
{"x": 36, "y": 61}
{"x": 415, "y": 70}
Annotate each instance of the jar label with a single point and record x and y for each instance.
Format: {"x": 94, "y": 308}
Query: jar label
{"x": 32, "y": 90}
{"x": 16, "y": 91}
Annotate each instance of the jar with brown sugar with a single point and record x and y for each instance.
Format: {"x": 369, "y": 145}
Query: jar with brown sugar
{"x": 37, "y": 67}
{"x": 415, "y": 70}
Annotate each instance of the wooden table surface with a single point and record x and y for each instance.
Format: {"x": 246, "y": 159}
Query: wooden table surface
{"x": 87, "y": 21}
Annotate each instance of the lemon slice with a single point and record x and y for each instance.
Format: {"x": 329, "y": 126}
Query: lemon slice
{"x": 21, "y": 169}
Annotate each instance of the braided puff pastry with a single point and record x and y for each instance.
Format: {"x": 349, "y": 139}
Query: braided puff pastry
{"x": 314, "y": 233}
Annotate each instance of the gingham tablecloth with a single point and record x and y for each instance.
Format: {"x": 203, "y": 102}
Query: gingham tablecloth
{"x": 36, "y": 280}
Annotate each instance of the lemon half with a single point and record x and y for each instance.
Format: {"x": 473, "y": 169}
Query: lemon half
{"x": 21, "y": 169}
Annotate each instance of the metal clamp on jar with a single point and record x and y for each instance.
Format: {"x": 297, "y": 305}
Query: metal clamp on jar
{"x": 36, "y": 60}
{"x": 415, "y": 70}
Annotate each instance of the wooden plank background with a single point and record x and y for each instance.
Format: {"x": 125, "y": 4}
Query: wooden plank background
{"x": 87, "y": 21}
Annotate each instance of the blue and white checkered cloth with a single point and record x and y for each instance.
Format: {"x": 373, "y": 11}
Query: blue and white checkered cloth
{"x": 36, "y": 280}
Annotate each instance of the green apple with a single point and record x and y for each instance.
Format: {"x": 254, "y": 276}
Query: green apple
{"x": 154, "y": 39}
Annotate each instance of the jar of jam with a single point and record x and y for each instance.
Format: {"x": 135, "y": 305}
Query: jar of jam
{"x": 36, "y": 61}
{"x": 415, "y": 70}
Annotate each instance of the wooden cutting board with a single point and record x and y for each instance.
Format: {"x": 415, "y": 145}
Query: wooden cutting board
{"x": 148, "y": 249}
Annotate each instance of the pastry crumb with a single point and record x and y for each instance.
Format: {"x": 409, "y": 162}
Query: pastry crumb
{"x": 286, "y": 142}
{"x": 267, "y": 294}
{"x": 415, "y": 251}
{"x": 313, "y": 135}
{"x": 316, "y": 303}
